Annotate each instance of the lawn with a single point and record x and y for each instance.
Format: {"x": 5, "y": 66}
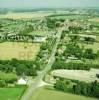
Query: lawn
{"x": 11, "y": 93}
{"x": 51, "y": 94}
{"x": 18, "y": 50}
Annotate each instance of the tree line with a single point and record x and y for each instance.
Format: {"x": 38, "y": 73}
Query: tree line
{"x": 74, "y": 65}
{"x": 18, "y": 66}
{"x": 78, "y": 87}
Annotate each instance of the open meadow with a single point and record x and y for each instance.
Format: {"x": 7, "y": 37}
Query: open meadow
{"x": 18, "y": 50}
{"x": 51, "y": 94}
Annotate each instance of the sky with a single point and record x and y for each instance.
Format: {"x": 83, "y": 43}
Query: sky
{"x": 47, "y": 3}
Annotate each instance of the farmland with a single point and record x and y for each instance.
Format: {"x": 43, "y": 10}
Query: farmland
{"x": 30, "y": 15}
{"x": 63, "y": 46}
{"x": 18, "y": 50}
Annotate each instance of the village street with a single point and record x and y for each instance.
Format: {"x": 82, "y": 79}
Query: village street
{"x": 38, "y": 82}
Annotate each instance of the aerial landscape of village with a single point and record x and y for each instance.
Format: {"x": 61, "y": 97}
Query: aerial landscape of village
{"x": 49, "y": 50}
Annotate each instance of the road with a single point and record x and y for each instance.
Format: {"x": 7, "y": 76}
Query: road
{"x": 39, "y": 79}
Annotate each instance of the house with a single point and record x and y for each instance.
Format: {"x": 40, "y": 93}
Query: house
{"x": 21, "y": 81}
{"x": 72, "y": 57}
{"x": 39, "y": 38}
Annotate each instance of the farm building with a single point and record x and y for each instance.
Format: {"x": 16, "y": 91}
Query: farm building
{"x": 21, "y": 81}
{"x": 40, "y": 39}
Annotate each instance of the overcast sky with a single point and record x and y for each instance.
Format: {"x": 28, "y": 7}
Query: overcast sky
{"x": 48, "y": 3}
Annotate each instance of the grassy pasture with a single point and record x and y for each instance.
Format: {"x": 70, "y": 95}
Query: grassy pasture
{"x": 18, "y": 50}
{"x": 13, "y": 93}
{"x": 25, "y": 15}
{"x": 51, "y": 94}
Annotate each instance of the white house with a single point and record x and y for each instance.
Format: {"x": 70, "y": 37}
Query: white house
{"x": 21, "y": 81}
{"x": 40, "y": 39}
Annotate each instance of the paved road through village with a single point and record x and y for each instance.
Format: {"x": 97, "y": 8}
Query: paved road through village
{"x": 39, "y": 79}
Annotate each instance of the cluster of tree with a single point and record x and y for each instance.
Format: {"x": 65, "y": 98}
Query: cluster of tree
{"x": 7, "y": 78}
{"x": 89, "y": 54}
{"x": 18, "y": 38}
{"x": 74, "y": 65}
{"x": 27, "y": 29}
{"x": 53, "y": 23}
{"x": 89, "y": 40}
{"x": 76, "y": 38}
{"x": 75, "y": 29}
{"x": 87, "y": 89}
{"x": 80, "y": 88}
{"x": 1, "y": 26}
{"x": 18, "y": 66}
{"x": 73, "y": 48}
{"x": 44, "y": 53}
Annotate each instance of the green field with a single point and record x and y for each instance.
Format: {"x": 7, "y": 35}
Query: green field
{"x": 41, "y": 33}
{"x": 25, "y": 15}
{"x": 71, "y": 17}
{"x": 11, "y": 93}
{"x": 51, "y": 94}
{"x": 18, "y": 50}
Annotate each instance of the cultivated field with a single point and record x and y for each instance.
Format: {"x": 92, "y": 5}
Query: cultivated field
{"x": 25, "y": 15}
{"x": 94, "y": 19}
{"x": 80, "y": 75}
{"x": 18, "y": 50}
{"x": 51, "y": 94}
{"x": 11, "y": 93}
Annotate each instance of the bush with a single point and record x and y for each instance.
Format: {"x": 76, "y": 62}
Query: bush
{"x": 73, "y": 65}
{"x": 2, "y": 83}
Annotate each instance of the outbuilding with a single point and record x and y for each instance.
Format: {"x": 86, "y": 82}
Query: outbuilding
{"x": 21, "y": 81}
